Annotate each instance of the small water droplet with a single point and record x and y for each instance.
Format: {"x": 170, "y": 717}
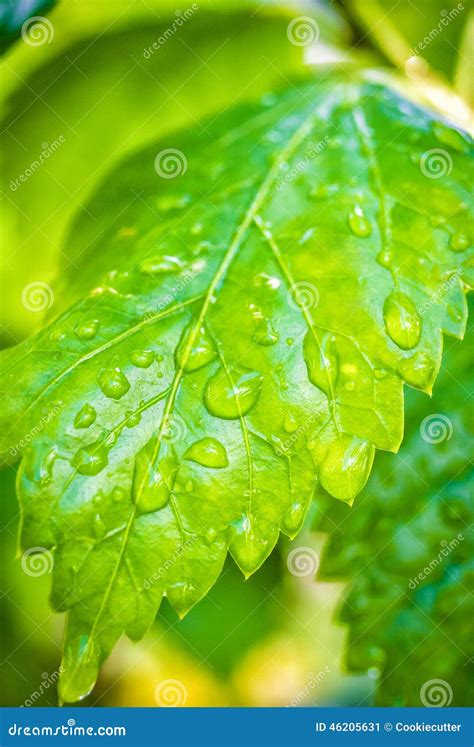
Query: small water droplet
{"x": 195, "y": 349}
{"x": 385, "y": 258}
{"x": 161, "y": 263}
{"x": 113, "y": 383}
{"x": 142, "y": 358}
{"x": 268, "y": 281}
{"x": 358, "y": 223}
{"x": 459, "y": 242}
{"x": 265, "y": 334}
{"x": 165, "y": 203}
{"x": 402, "y": 323}
{"x": 209, "y": 452}
{"x": 88, "y": 329}
{"x": 290, "y": 424}
{"x": 57, "y": 335}
{"x": 85, "y": 417}
{"x": 321, "y": 361}
{"x": 196, "y": 229}
{"x": 289, "y": 341}
{"x": 231, "y": 394}
{"x": 380, "y": 373}
{"x": 211, "y": 535}
{"x": 159, "y": 357}
{"x": 98, "y": 527}
{"x": 418, "y": 371}
{"x": 132, "y": 418}
{"x": 189, "y": 486}
{"x": 118, "y": 494}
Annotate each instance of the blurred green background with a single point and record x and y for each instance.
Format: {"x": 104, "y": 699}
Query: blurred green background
{"x": 357, "y": 634}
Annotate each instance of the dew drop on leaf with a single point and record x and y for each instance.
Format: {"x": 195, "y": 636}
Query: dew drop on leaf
{"x": 209, "y": 452}
{"x": 247, "y": 544}
{"x": 321, "y": 361}
{"x": 118, "y": 494}
{"x": 113, "y": 383}
{"x": 450, "y": 137}
{"x": 195, "y": 349}
{"x": 358, "y": 223}
{"x": 401, "y": 319}
{"x": 459, "y": 242}
{"x": 142, "y": 358}
{"x": 418, "y": 371}
{"x": 91, "y": 459}
{"x": 160, "y": 264}
{"x": 346, "y": 466}
{"x": 231, "y": 394}
{"x": 85, "y": 417}
{"x": 265, "y": 333}
{"x": 88, "y": 329}
{"x": 153, "y": 477}
{"x": 290, "y": 424}
{"x": 293, "y": 518}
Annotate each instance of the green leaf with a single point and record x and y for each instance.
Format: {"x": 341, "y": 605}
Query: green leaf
{"x": 407, "y": 549}
{"x": 234, "y": 335}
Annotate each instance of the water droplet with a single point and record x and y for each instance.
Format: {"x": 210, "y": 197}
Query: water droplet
{"x": 321, "y": 361}
{"x": 293, "y": 519}
{"x": 159, "y": 357}
{"x": 91, "y": 459}
{"x": 142, "y": 358}
{"x": 85, "y": 417}
{"x": 133, "y": 418}
{"x": 113, "y": 383}
{"x": 211, "y": 535}
{"x": 118, "y": 494}
{"x": 160, "y": 264}
{"x": 289, "y": 341}
{"x": 401, "y": 319}
{"x": 165, "y": 203}
{"x": 81, "y": 664}
{"x": 189, "y": 486}
{"x": 196, "y": 229}
{"x": 320, "y": 192}
{"x": 385, "y": 258}
{"x": 346, "y": 466}
{"x": 39, "y": 462}
{"x": 209, "y": 452}
{"x": 380, "y": 373}
{"x": 88, "y": 329}
{"x": 57, "y": 335}
{"x": 231, "y": 394}
{"x": 98, "y": 527}
{"x": 154, "y": 475}
{"x": 358, "y": 223}
{"x": 265, "y": 334}
{"x": 247, "y": 546}
{"x": 459, "y": 242}
{"x": 290, "y": 424}
{"x": 418, "y": 371}
{"x": 268, "y": 281}
{"x": 195, "y": 349}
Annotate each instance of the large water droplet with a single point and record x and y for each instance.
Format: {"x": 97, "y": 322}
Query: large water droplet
{"x": 91, "y": 459}
{"x": 80, "y": 669}
{"x": 154, "y": 476}
{"x": 450, "y": 137}
{"x": 88, "y": 329}
{"x": 39, "y": 462}
{"x": 418, "y": 371}
{"x": 358, "y": 223}
{"x": 346, "y": 466}
{"x": 247, "y": 546}
{"x": 195, "y": 349}
{"x": 113, "y": 383}
{"x": 290, "y": 424}
{"x": 209, "y": 452}
{"x": 142, "y": 358}
{"x": 321, "y": 361}
{"x": 293, "y": 519}
{"x": 401, "y": 319}
{"x": 230, "y": 394}
{"x": 160, "y": 264}
{"x": 459, "y": 242}
{"x": 85, "y": 417}
{"x": 98, "y": 527}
